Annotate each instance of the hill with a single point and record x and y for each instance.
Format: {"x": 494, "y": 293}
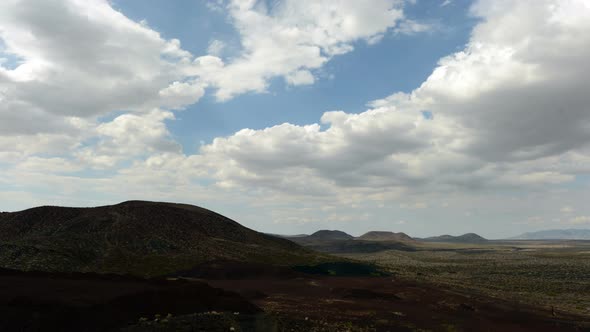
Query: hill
{"x": 338, "y": 242}
{"x": 135, "y": 237}
{"x": 465, "y": 238}
{"x": 385, "y": 236}
{"x": 556, "y": 234}
{"x": 329, "y": 235}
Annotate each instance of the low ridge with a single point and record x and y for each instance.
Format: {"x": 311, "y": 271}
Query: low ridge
{"x": 134, "y": 237}
{"x": 385, "y": 236}
{"x": 338, "y": 242}
{"x": 330, "y": 235}
{"x": 465, "y": 238}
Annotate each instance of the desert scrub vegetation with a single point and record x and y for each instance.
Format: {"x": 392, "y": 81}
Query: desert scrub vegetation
{"x": 546, "y": 276}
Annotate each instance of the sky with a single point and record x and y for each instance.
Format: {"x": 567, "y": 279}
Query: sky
{"x": 422, "y": 116}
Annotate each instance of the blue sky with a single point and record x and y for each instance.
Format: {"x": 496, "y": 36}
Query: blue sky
{"x": 421, "y": 116}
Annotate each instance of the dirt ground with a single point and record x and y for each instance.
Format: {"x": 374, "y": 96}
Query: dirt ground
{"x": 257, "y": 298}
{"x": 389, "y": 304}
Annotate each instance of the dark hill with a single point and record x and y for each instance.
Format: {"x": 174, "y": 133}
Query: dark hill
{"x": 465, "y": 238}
{"x": 337, "y": 242}
{"x": 329, "y": 235}
{"x": 385, "y": 236}
{"x": 136, "y": 237}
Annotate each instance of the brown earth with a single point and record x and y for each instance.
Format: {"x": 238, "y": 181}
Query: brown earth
{"x": 291, "y": 301}
{"x": 391, "y": 304}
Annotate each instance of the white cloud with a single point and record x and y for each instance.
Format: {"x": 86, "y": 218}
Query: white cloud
{"x": 79, "y": 61}
{"x": 180, "y": 94}
{"x": 50, "y": 165}
{"x": 130, "y": 136}
{"x": 82, "y": 58}
{"x": 216, "y": 47}
{"x": 511, "y": 110}
{"x": 300, "y": 77}
{"x": 294, "y": 37}
{"x": 580, "y": 220}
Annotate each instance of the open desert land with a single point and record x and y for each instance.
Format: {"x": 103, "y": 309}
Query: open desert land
{"x": 553, "y": 274}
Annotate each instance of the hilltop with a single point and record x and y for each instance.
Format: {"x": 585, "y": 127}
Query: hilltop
{"x": 134, "y": 237}
{"x": 338, "y": 242}
{"x": 385, "y": 236}
{"x": 465, "y": 238}
{"x": 329, "y": 235}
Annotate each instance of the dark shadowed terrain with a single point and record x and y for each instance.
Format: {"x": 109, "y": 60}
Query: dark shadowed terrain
{"x": 40, "y": 301}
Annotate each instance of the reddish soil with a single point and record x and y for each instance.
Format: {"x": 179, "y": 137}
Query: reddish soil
{"x": 386, "y": 304}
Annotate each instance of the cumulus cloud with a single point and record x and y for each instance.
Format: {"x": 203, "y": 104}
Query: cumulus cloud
{"x": 294, "y": 37}
{"x": 82, "y": 58}
{"x": 130, "y": 136}
{"x": 509, "y": 110}
{"x": 79, "y": 61}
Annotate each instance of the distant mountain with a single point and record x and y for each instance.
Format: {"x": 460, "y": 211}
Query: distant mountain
{"x": 465, "y": 238}
{"x": 385, "y": 236}
{"x": 329, "y": 235}
{"x": 135, "y": 237}
{"x": 556, "y": 234}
